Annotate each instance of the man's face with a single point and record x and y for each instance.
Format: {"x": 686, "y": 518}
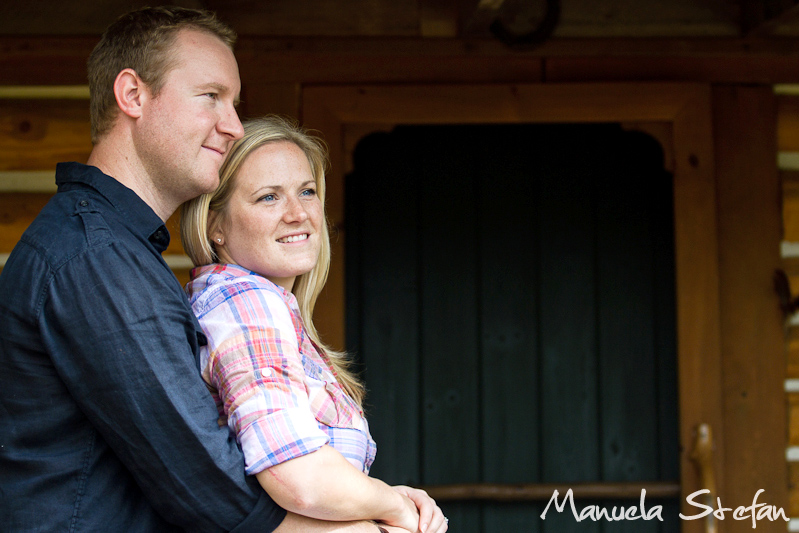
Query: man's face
{"x": 185, "y": 131}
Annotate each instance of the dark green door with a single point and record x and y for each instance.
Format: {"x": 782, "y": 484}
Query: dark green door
{"x": 510, "y": 293}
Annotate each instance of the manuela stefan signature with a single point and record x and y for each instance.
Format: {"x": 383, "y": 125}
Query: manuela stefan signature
{"x": 756, "y": 511}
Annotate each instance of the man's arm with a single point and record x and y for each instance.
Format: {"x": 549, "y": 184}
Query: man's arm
{"x": 130, "y": 366}
{"x": 295, "y": 523}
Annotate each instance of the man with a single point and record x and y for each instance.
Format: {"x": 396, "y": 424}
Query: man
{"x": 105, "y": 424}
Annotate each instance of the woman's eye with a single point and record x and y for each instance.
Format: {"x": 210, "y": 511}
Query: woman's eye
{"x": 212, "y": 96}
{"x": 308, "y": 192}
{"x": 268, "y": 197}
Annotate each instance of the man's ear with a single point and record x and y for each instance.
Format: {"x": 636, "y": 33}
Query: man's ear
{"x": 128, "y": 91}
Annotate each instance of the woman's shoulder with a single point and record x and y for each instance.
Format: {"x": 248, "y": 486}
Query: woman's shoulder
{"x": 214, "y": 285}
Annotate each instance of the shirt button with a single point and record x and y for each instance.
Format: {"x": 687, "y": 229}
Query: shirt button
{"x": 83, "y": 203}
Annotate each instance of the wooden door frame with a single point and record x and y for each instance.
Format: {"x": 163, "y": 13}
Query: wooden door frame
{"x": 685, "y": 108}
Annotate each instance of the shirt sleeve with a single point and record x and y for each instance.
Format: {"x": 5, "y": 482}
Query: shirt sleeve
{"x": 123, "y": 339}
{"x": 255, "y": 365}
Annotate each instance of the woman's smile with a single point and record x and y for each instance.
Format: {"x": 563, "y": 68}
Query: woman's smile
{"x": 294, "y": 238}
{"x": 273, "y": 222}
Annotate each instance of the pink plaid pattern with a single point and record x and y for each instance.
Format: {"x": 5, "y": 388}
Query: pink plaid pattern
{"x": 277, "y": 392}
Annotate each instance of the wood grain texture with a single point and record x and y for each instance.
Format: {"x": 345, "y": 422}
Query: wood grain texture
{"x": 37, "y": 134}
{"x": 790, "y": 211}
{"x": 17, "y": 211}
{"x": 793, "y": 488}
{"x": 62, "y": 60}
{"x": 751, "y": 323}
{"x": 788, "y": 123}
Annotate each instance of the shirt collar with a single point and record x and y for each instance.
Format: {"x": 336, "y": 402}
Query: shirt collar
{"x": 133, "y": 209}
{"x": 231, "y": 271}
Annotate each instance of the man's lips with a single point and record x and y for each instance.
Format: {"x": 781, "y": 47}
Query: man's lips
{"x": 220, "y": 151}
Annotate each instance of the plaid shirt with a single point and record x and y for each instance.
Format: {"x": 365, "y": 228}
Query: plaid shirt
{"x": 277, "y": 391}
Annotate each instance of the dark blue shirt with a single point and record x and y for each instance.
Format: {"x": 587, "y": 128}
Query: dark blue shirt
{"x": 105, "y": 423}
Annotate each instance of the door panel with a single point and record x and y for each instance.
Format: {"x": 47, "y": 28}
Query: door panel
{"x": 515, "y": 387}
{"x": 682, "y": 109}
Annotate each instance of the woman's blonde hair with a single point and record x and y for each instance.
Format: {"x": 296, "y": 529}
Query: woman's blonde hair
{"x": 195, "y": 231}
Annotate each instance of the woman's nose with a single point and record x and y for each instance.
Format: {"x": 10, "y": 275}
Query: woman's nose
{"x": 295, "y": 211}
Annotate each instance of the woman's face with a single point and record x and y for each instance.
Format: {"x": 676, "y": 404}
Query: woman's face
{"x": 272, "y": 224}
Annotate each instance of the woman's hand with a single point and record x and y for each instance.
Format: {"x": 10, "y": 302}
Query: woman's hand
{"x": 431, "y": 518}
{"x": 405, "y": 515}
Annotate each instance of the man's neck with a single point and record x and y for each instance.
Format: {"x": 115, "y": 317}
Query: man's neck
{"x": 127, "y": 169}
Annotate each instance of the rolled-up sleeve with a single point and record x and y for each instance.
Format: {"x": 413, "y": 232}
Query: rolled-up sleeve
{"x": 255, "y": 364}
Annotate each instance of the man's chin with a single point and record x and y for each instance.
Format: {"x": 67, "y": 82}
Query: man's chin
{"x": 211, "y": 182}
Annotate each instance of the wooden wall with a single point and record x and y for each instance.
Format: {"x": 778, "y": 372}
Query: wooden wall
{"x": 35, "y": 132}
{"x": 788, "y": 146}
{"x": 39, "y": 127}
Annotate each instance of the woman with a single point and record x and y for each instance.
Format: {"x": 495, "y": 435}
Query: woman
{"x": 261, "y": 245}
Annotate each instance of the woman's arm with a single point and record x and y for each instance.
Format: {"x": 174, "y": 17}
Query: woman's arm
{"x": 324, "y": 485}
{"x": 261, "y": 380}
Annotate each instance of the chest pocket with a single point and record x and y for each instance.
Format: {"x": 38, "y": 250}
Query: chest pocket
{"x": 330, "y": 404}
{"x": 332, "y": 407}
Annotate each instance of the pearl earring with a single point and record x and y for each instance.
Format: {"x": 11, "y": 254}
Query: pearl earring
{"x": 219, "y": 240}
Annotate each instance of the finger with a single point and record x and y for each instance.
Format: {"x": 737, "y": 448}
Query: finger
{"x": 443, "y": 527}
{"x": 439, "y": 522}
{"x": 426, "y": 513}
{"x": 425, "y": 505}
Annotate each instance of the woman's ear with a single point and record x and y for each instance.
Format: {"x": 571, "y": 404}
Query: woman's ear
{"x": 128, "y": 91}
{"x": 215, "y": 232}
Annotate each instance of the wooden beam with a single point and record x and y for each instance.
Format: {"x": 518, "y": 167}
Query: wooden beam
{"x": 543, "y": 491}
{"x": 299, "y": 61}
{"x": 44, "y": 60}
{"x": 36, "y": 134}
{"x": 788, "y": 123}
{"x": 18, "y": 211}
{"x": 439, "y": 18}
{"x": 742, "y": 68}
{"x": 753, "y": 343}
{"x": 763, "y": 17}
{"x": 45, "y": 92}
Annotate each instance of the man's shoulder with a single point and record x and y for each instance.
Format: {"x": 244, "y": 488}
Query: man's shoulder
{"x": 68, "y": 224}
